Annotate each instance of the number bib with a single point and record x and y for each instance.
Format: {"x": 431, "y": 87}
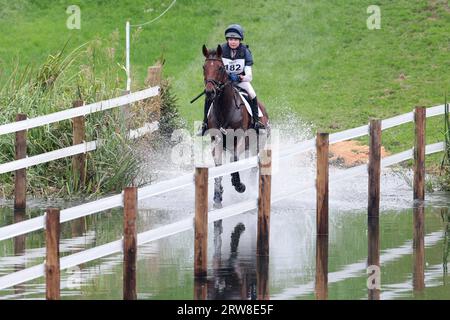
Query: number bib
{"x": 234, "y": 66}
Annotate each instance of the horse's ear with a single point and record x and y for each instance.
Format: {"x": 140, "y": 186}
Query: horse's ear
{"x": 205, "y": 51}
{"x": 219, "y": 51}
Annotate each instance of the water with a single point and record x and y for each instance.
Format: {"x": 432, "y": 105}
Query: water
{"x": 165, "y": 267}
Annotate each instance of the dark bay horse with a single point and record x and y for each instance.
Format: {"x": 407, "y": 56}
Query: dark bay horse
{"x": 228, "y": 119}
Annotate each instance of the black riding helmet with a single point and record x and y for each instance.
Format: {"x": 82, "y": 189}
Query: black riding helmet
{"x": 234, "y": 31}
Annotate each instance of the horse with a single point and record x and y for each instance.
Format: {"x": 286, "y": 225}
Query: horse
{"x": 228, "y": 115}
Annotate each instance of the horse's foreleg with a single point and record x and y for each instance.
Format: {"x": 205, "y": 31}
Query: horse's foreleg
{"x": 235, "y": 178}
{"x": 218, "y": 189}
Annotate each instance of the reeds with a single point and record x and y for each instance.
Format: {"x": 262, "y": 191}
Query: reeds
{"x": 88, "y": 73}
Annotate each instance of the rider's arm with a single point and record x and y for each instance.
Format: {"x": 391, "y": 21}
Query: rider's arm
{"x": 248, "y": 74}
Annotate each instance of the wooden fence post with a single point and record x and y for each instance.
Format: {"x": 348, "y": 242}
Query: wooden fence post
{"x": 154, "y": 75}
{"x": 129, "y": 243}
{"x": 321, "y": 284}
{"x": 262, "y": 277}
{"x": 52, "y": 271}
{"x": 154, "y": 79}
{"x": 373, "y": 233}
{"x": 78, "y": 160}
{"x": 20, "y": 185}
{"x": 201, "y": 222}
{"x": 265, "y": 179}
{"x": 419, "y": 153}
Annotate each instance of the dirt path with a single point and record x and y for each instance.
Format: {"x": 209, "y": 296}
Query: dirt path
{"x": 350, "y": 153}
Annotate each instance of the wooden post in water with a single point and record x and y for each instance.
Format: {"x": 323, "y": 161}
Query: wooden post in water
{"x": 373, "y": 233}
{"x": 265, "y": 179}
{"x": 20, "y": 185}
{"x": 52, "y": 271}
{"x": 200, "y": 288}
{"x": 129, "y": 243}
{"x": 78, "y": 160}
{"x": 201, "y": 222}
{"x": 419, "y": 153}
{"x": 321, "y": 284}
{"x": 262, "y": 277}
{"x": 419, "y": 249}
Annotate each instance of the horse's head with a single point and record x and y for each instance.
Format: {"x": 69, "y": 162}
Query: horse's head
{"x": 214, "y": 71}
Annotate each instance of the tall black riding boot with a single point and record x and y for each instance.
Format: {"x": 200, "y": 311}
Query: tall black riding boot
{"x": 204, "y": 127}
{"x": 256, "y": 123}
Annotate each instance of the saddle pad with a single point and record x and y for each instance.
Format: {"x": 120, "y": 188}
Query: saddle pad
{"x": 249, "y": 109}
{"x": 247, "y": 106}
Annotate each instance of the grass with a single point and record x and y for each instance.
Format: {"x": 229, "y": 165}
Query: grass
{"x": 315, "y": 60}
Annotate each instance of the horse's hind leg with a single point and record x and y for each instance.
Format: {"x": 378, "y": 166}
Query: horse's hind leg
{"x": 218, "y": 229}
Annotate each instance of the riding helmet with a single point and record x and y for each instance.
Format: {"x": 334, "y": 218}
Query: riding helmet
{"x": 234, "y": 31}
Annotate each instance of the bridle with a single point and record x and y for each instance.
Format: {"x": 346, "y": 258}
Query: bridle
{"x": 218, "y": 86}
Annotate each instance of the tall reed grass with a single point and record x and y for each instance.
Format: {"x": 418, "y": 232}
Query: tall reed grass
{"x": 88, "y": 73}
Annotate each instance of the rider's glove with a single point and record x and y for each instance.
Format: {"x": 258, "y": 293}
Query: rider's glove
{"x": 234, "y": 77}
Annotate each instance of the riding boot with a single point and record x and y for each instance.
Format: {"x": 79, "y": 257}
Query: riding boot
{"x": 256, "y": 123}
{"x": 204, "y": 127}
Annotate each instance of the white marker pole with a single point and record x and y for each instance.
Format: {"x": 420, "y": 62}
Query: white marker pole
{"x": 128, "y": 56}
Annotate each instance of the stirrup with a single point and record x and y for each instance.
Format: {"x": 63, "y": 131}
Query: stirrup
{"x": 258, "y": 125}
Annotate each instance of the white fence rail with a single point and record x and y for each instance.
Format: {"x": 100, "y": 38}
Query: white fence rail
{"x": 48, "y": 156}
{"x": 77, "y": 112}
{"x": 180, "y": 226}
{"x": 70, "y": 151}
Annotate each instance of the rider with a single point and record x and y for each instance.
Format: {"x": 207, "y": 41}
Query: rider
{"x": 238, "y": 62}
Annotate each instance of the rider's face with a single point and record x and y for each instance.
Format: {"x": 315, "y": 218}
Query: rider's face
{"x": 233, "y": 43}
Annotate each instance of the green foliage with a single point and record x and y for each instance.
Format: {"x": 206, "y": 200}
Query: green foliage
{"x": 315, "y": 58}
{"x": 445, "y": 165}
{"x": 53, "y": 87}
{"x": 170, "y": 118}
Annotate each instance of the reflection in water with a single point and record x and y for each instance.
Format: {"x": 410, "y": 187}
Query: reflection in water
{"x": 321, "y": 286}
{"x": 419, "y": 249}
{"x": 19, "y": 248}
{"x": 262, "y": 277}
{"x": 165, "y": 269}
{"x": 446, "y": 219}
{"x": 233, "y": 278}
{"x": 373, "y": 235}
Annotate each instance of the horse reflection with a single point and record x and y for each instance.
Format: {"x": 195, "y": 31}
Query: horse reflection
{"x": 235, "y": 277}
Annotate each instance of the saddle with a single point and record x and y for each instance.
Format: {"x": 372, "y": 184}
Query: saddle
{"x": 245, "y": 99}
